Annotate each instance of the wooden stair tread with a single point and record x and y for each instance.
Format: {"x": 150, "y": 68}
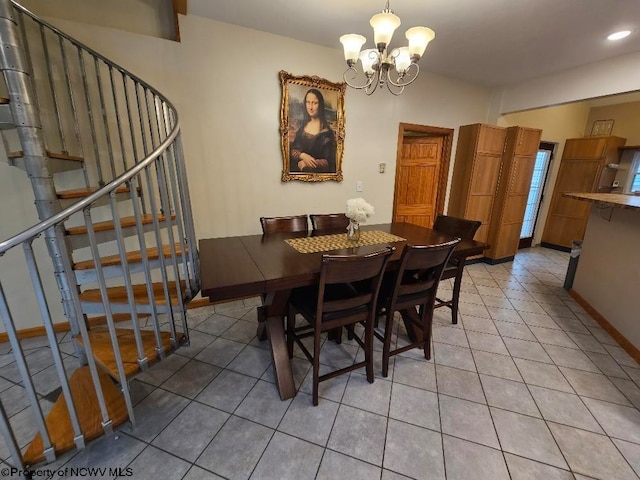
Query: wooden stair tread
{"x": 4, "y": 101}
{"x": 88, "y": 410}
{"x": 59, "y": 156}
{"x": 110, "y": 225}
{"x": 119, "y": 294}
{"x": 132, "y": 257}
{"x": 103, "y": 350}
{"x": 85, "y": 192}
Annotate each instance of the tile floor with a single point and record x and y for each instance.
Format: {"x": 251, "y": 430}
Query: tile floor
{"x": 525, "y": 386}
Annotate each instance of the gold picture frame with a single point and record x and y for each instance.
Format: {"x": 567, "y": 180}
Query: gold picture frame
{"x": 602, "y": 128}
{"x": 311, "y": 128}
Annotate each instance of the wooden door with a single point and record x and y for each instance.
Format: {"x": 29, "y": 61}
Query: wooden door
{"x": 417, "y": 180}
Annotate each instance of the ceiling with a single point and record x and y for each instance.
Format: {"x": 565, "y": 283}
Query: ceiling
{"x": 487, "y": 42}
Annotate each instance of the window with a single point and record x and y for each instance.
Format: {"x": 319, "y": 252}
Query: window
{"x": 634, "y": 175}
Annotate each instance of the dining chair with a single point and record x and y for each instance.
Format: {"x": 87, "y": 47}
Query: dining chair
{"x": 456, "y": 227}
{"x": 337, "y": 302}
{"x": 297, "y": 223}
{"x": 414, "y": 285}
{"x": 329, "y": 221}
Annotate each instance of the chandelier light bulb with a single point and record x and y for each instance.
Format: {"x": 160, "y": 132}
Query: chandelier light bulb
{"x": 352, "y": 43}
{"x": 384, "y": 24}
{"x": 403, "y": 60}
{"x": 419, "y": 38}
{"x": 394, "y": 68}
{"x": 368, "y": 58}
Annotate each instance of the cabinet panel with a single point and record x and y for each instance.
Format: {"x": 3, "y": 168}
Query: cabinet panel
{"x": 522, "y": 172}
{"x": 592, "y": 148}
{"x": 527, "y": 142}
{"x": 491, "y": 139}
{"x": 484, "y": 177}
{"x": 581, "y": 169}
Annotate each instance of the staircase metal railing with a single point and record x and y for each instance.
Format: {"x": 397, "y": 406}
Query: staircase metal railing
{"x": 82, "y": 104}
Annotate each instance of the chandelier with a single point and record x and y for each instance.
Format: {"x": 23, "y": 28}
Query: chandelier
{"x": 396, "y": 69}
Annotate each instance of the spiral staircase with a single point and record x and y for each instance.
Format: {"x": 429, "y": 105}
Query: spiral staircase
{"x": 102, "y": 150}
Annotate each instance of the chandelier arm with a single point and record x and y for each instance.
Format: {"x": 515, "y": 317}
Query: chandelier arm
{"x": 374, "y": 85}
{"x": 395, "y": 92}
{"x": 405, "y": 83}
{"x": 355, "y": 74}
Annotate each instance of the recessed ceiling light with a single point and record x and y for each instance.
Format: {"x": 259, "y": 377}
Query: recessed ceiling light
{"x": 619, "y": 35}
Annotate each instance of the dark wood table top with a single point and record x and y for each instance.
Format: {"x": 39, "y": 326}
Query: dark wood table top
{"x": 236, "y": 267}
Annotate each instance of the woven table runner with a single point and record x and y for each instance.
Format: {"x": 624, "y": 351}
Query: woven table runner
{"x": 325, "y": 243}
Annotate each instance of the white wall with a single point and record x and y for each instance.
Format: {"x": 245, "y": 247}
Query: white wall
{"x": 609, "y": 77}
{"x": 608, "y": 271}
{"x": 148, "y": 17}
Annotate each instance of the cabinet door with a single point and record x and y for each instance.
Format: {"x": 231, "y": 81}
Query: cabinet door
{"x": 567, "y": 218}
{"x": 482, "y": 192}
{"x": 491, "y": 139}
{"x": 587, "y": 148}
{"x": 527, "y": 141}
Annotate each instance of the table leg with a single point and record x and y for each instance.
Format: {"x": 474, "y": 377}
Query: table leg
{"x": 270, "y": 317}
{"x": 413, "y": 331}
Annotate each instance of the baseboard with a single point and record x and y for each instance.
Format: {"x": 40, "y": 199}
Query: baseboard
{"x": 93, "y": 322}
{"x": 629, "y": 347}
{"x": 553, "y": 246}
{"x": 496, "y": 261}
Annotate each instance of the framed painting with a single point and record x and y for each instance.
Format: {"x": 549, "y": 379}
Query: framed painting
{"x": 601, "y": 127}
{"x": 311, "y": 128}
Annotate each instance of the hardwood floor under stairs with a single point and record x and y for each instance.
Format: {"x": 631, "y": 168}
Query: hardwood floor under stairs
{"x": 89, "y": 417}
{"x": 104, "y": 355}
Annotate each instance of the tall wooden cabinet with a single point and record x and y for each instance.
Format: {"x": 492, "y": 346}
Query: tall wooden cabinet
{"x": 476, "y": 173}
{"x": 583, "y": 168}
{"x": 518, "y": 160}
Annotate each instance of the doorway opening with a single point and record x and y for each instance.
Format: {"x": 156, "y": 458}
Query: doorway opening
{"x": 422, "y": 171}
{"x": 536, "y": 193}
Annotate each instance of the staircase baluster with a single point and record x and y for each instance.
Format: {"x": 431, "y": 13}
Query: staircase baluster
{"x": 163, "y": 266}
{"x": 92, "y": 123}
{"x": 126, "y": 273}
{"x": 53, "y": 341}
{"x": 184, "y": 200}
{"x": 95, "y": 253}
{"x": 23, "y": 368}
{"x": 105, "y": 120}
{"x": 10, "y": 439}
{"x": 74, "y": 111}
{"x": 170, "y": 160}
{"x": 134, "y": 142}
{"x": 148, "y": 280}
{"x": 164, "y": 198}
{"x": 54, "y": 95}
{"x": 117, "y": 115}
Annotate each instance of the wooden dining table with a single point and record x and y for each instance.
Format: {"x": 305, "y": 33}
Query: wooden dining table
{"x": 239, "y": 267}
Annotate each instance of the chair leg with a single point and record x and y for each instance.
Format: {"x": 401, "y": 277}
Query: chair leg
{"x": 457, "y": 284}
{"x": 368, "y": 347}
{"x": 291, "y": 327}
{"x": 386, "y": 348}
{"x": 316, "y": 364}
{"x": 427, "y": 322}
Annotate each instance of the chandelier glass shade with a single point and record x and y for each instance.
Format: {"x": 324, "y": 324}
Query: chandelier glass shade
{"x": 395, "y": 69}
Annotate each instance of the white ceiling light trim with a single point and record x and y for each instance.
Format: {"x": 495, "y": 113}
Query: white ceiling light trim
{"x": 619, "y": 35}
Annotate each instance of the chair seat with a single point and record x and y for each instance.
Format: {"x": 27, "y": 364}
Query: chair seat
{"x": 305, "y": 301}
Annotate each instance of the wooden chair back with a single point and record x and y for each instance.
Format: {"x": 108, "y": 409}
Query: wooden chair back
{"x": 456, "y": 227}
{"x": 329, "y": 221}
{"x": 293, "y": 224}
{"x": 417, "y": 279}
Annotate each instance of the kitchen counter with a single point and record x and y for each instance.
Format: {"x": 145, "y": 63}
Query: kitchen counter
{"x": 613, "y": 199}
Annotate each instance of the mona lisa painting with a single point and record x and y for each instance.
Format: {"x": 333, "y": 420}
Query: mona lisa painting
{"x": 311, "y": 128}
